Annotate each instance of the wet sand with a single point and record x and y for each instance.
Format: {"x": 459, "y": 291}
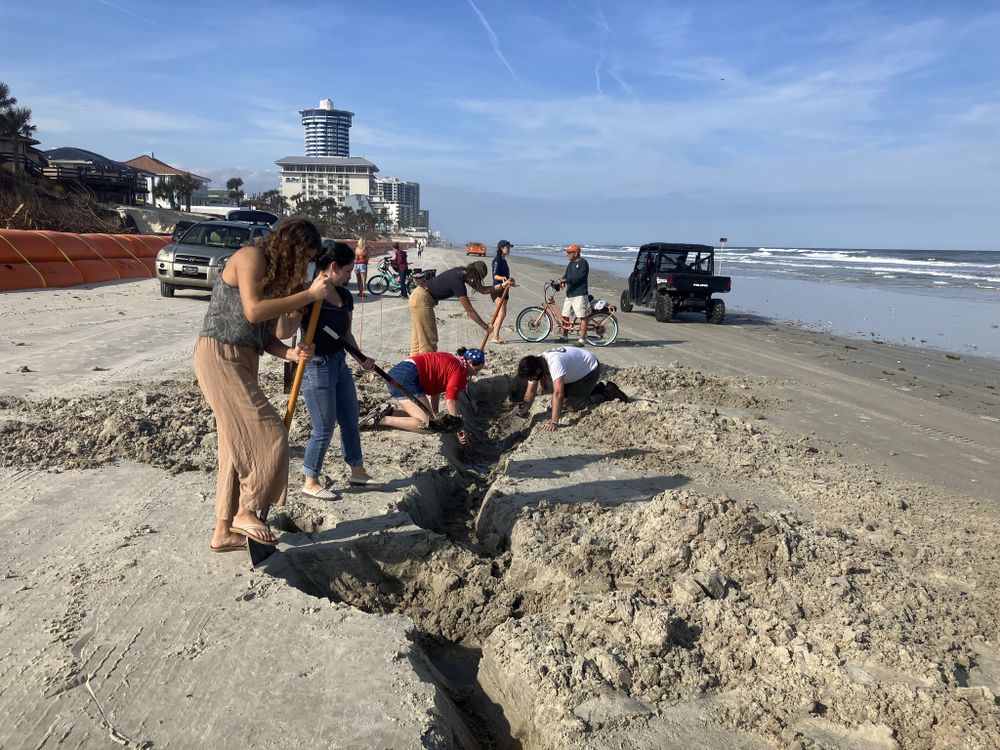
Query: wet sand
{"x": 788, "y": 540}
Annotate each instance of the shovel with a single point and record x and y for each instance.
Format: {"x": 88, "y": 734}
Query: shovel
{"x": 260, "y": 552}
{"x": 444, "y": 423}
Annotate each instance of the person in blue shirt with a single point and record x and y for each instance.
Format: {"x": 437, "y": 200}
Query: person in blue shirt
{"x": 501, "y": 273}
{"x": 577, "y": 304}
{"x": 328, "y": 386}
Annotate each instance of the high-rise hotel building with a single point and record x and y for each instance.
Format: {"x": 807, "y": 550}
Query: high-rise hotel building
{"x": 327, "y": 130}
{"x": 324, "y": 177}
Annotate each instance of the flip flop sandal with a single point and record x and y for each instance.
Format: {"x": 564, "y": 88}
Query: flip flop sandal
{"x": 229, "y": 547}
{"x": 321, "y": 494}
{"x": 253, "y": 532}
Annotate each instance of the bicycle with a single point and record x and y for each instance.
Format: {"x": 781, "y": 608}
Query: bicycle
{"x": 387, "y": 280}
{"x": 535, "y": 323}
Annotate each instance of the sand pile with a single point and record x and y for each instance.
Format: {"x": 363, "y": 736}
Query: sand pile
{"x": 165, "y": 424}
{"x": 162, "y": 423}
{"x": 682, "y": 384}
{"x": 809, "y": 633}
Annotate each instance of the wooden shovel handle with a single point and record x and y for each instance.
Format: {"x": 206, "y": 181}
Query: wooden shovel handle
{"x": 300, "y": 371}
{"x": 494, "y": 318}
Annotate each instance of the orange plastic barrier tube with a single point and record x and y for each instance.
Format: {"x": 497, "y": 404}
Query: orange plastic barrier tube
{"x": 41, "y": 259}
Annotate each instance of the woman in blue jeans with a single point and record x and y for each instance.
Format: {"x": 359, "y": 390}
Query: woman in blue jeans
{"x": 328, "y": 385}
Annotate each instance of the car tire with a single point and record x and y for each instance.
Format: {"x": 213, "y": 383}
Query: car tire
{"x": 664, "y": 310}
{"x": 716, "y": 311}
{"x": 626, "y": 301}
{"x": 166, "y": 290}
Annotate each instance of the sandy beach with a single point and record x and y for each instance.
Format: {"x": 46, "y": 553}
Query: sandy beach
{"x": 787, "y": 540}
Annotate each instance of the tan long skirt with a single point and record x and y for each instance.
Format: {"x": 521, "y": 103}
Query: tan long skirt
{"x": 253, "y": 443}
{"x": 423, "y": 325}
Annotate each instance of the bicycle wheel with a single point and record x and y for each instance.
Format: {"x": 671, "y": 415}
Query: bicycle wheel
{"x": 533, "y": 324}
{"x": 602, "y": 329}
{"x": 378, "y": 285}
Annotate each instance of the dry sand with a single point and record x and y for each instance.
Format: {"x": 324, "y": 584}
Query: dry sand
{"x": 787, "y": 540}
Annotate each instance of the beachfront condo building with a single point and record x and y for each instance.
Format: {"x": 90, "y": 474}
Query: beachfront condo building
{"x": 327, "y": 130}
{"x": 324, "y": 177}
{"x": 401, "y": 200}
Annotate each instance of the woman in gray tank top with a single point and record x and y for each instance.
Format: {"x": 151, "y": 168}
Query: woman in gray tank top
{"x": 257, "y": 286}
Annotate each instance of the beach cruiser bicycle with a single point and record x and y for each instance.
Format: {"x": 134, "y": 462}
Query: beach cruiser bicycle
{"x": 386, "y": 281}
{"x": 536, "y": 323}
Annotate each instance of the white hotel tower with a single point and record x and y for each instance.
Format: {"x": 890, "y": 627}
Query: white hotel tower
{"x": 327, "y": 130}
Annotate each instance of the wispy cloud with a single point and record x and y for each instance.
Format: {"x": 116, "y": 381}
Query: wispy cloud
{"x": 80, "y": 115}
{"x": 134, "y": 14}
{"x": 495, "y": 43}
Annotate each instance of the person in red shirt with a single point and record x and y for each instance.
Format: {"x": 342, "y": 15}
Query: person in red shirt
{"x": 427, "y": 376}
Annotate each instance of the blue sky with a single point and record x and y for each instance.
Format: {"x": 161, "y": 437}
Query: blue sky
{"x": 846, "y": 124}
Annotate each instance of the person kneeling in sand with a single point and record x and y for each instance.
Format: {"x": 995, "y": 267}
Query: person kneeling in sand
{"x": 572, "y": 375}
{"x": 427, "y": 375}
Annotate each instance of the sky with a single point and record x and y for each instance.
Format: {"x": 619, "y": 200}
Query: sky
{"x": 794, "y": 124}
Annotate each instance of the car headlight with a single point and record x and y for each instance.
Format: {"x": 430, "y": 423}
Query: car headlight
{"x": 223, "y": 259}
{"x": 165, "y": 254}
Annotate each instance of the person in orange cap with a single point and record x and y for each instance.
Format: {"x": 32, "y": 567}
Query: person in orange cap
{"x": 577, "y": 304}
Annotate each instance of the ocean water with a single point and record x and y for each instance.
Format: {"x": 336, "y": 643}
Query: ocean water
{"x": 946, "y": 299}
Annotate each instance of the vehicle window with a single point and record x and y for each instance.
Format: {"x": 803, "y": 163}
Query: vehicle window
{"x": 700, "y": 263}
{"x": 671, "y": 261}
{"x": 640, "y": 262}
{"x": 217, "y": 236}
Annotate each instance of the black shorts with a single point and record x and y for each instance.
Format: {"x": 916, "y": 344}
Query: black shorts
{"x": 496, "y": 294}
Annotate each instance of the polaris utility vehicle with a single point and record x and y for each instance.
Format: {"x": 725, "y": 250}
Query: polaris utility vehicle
{"x": 674, "y": 277}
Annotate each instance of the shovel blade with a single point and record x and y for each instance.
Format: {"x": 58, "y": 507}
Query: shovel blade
{"x": 259, "y": 552}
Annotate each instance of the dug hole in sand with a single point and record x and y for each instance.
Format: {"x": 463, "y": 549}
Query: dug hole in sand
{"x": 672, "y": 572}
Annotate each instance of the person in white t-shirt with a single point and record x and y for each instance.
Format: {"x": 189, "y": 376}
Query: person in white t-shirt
{"x": 571, "y": 374}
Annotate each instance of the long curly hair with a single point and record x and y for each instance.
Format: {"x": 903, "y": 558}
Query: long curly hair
{"x": 287, "y": 252}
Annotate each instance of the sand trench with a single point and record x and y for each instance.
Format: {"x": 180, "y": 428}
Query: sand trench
{"x": 601, "y": 614}
{"x": 595, "y": 588}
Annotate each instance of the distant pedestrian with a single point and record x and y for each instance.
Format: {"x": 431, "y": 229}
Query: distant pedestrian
{"x": 361, "y": 256}
{"x": 420, "y": 248}
{"x": 451, "y": 283}
{"x": 571, "y": 375}
{"x": 577, "y": 304}
{"x": 501, "y": 274}
{"x": 403, "y": 266}
{"x": 427, "y": 375}
{"x": 256, "y": 287}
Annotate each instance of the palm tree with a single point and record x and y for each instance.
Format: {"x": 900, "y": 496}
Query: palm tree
{"x": 166, "y": 189}
{"x": 6, "y": 100}
{"x": 185, "y": 185}
{"x": 16, "y": 121}
{"x": 233, "y": 185}
{"x": 15, "y": 125}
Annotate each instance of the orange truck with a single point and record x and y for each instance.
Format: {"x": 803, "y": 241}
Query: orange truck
{"x": 475, "y": 248}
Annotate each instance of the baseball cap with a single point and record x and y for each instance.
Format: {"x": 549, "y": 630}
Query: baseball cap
{"x": 572, "y": 249}
{"x": 480, "y": 268}
{"x": 475, "y": 356}
{"x": 502, "y": 244}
